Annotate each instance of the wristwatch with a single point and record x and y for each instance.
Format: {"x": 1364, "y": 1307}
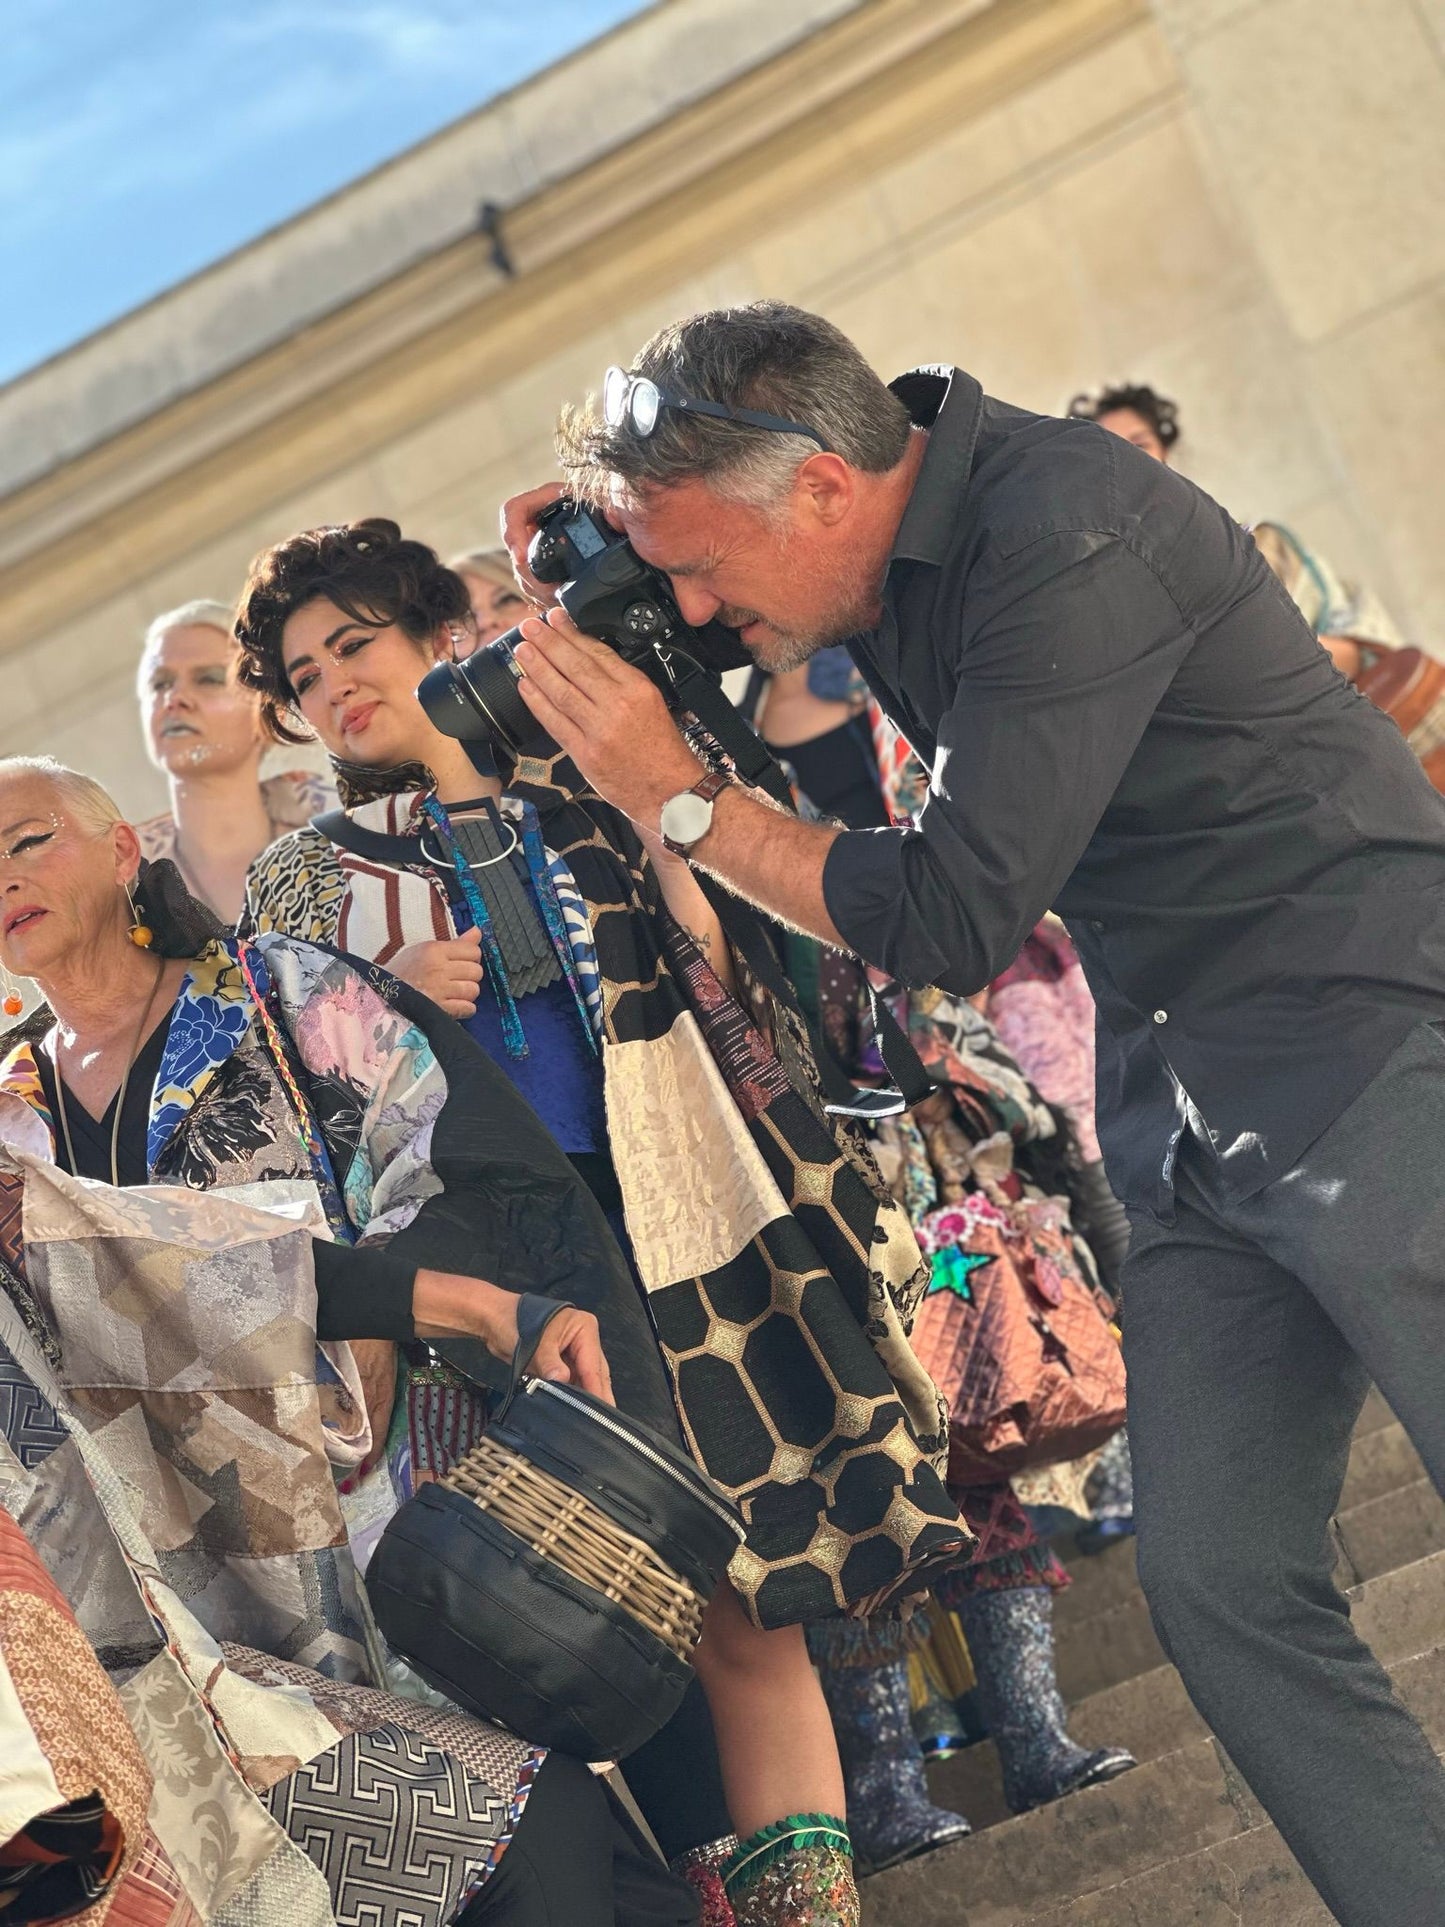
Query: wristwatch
{"x": 687, "y": 817}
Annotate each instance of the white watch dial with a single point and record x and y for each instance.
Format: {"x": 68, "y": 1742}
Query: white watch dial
{"x": 687, "y": 817}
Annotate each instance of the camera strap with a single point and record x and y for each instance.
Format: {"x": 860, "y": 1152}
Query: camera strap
{"x": 751, "y": 757}
{"x": 747, "y": 927}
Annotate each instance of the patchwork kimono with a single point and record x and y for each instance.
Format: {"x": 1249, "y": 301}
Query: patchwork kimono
{"x": 172, "y": 1439}
{"x": 780, "y": 1276}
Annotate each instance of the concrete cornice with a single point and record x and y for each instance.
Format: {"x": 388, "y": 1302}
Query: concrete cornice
{"x": 648, "y": 213}
{"x": 555, "y": 124}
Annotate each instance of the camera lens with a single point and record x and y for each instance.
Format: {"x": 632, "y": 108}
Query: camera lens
{"x": 477, "y": 701}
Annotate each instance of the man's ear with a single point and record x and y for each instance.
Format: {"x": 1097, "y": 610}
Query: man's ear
{"x": 825, "y": 488}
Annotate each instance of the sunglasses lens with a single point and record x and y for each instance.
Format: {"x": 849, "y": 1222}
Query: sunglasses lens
{"x": 646, "y": 404}
{"x": 615, "y": 384}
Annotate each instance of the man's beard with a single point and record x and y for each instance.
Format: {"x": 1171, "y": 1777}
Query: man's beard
{"x": 783, "y": 649}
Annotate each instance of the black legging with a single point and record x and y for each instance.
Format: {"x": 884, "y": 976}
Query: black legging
{"x": 676, "y": 1781}
{"x": 577, "y": 1860}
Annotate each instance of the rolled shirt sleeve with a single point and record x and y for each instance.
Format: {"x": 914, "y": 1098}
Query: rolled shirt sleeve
{"x": 1069, "y": 642}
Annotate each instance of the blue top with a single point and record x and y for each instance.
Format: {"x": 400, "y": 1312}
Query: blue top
{"x": 560, "y": 1077}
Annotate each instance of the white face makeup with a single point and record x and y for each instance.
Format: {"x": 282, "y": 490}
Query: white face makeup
{"x": 198, "y": 718}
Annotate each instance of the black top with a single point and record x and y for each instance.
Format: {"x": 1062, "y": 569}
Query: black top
{"x": 91, "y": 1136}
{"x": 1127, "y": 719}
{"x": 838, "y": 774}
{"x": 359, "y": 1293}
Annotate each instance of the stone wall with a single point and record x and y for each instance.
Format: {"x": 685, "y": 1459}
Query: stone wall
{"x": 1238, "y": 200}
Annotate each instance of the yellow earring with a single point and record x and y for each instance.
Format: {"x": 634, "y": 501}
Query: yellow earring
{"x": 141, "y": 934}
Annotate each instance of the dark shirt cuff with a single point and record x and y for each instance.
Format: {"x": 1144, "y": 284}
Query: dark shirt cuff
{"x": 362, "y": 1291}
{"x": 867, "y": 892}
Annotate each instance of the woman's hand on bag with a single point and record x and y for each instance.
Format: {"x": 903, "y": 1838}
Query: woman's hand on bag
{"x": 448, "y": 970}
{"x": 445, "y": 1304}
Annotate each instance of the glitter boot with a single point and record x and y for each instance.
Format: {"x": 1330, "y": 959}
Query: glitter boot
{"x": 890, "y": 1815}
{"x": 1011, "y": 1636}
{"x": 702, "y": 1868}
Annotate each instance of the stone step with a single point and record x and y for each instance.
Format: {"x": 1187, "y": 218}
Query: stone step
{"x": 1392, "y": 1530}
{"x": 1252, "y": 1880}
{"x": 1374, "y": 1413}
{"x": 1103, "y": 1630}
{"x": 1185, "y": 1817}
{"x": 1401, "y": 1613}
{"x": 1381, "y": 1461}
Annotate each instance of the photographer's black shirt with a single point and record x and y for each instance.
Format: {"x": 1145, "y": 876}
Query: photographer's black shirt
{"x": 1128, "y": 720}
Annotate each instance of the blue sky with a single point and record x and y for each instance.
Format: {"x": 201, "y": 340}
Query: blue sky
{"x": 140, "y": 139}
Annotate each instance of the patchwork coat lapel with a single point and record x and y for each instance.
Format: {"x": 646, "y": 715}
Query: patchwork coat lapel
{"x": 212, "y": 1016}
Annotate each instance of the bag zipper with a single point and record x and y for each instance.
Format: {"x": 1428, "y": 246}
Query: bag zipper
{"x": 531, "y": 1385}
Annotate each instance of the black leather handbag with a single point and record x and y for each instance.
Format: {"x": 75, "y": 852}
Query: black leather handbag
{"x": 555, "y": 1579}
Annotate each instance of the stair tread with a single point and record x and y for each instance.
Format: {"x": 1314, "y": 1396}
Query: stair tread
{"x": 1137, "y": 1836}
{"x": 1252, "y": 1880}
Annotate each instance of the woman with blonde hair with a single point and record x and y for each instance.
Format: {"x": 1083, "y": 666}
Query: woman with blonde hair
{"x": 497, "y": 602}
{"x": 203, "y": 731}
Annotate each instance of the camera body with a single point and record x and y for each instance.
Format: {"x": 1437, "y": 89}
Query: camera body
{"x": 612, "y": 595}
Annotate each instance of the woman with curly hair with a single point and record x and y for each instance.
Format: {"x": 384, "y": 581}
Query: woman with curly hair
{"x": 777, "y": 1273}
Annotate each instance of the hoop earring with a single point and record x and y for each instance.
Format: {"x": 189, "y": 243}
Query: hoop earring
{"x": 13, "y": 1001}
{"x": 141, "y": 934}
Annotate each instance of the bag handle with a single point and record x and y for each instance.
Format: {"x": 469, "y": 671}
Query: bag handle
{"x": 534, "y": 1314}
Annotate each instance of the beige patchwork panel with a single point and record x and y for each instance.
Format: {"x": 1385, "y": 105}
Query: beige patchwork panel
{"x": 695, "y": 1189}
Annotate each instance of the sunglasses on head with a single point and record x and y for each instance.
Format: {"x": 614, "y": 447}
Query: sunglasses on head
{"x": 638, "y": 401}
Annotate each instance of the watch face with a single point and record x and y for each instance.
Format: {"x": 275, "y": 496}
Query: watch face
{"x": 685, "y": 818}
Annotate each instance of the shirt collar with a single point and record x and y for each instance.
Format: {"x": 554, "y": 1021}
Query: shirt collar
{"x": 949, "y": 404}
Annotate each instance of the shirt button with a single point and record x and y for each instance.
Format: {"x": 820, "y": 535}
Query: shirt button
{"x": 1161, "y": 1016}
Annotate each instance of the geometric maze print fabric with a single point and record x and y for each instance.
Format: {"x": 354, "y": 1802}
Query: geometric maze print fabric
{"x": 399, "y": 1828}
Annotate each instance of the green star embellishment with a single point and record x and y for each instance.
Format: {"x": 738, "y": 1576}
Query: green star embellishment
{"x": 952, "y": 1270}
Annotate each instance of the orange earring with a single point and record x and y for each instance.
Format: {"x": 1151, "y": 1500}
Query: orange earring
{"x": 12, "y": 1003}
{"x": 141, "y": 934}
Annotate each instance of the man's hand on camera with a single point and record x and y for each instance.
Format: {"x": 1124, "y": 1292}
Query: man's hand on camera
{"x": 519, "y": 525}
{"x": 606, "y": 716}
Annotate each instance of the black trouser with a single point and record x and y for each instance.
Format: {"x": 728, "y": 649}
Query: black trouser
{"x": 1252, "y": 1331}
{"x": 576, "y": 1860}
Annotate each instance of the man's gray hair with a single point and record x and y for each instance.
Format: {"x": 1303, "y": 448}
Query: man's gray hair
{"x": 767, "y": 356}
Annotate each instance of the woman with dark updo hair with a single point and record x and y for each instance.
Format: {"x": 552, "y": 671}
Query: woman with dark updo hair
{"x": 1349, "y": 620}
{"x": 778, "y": 1275}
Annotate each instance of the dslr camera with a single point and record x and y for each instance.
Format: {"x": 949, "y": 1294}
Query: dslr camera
{"x": 611, "y": 594}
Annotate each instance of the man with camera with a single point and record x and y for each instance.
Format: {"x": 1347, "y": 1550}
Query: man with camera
{"x": 1127, "y": 720}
